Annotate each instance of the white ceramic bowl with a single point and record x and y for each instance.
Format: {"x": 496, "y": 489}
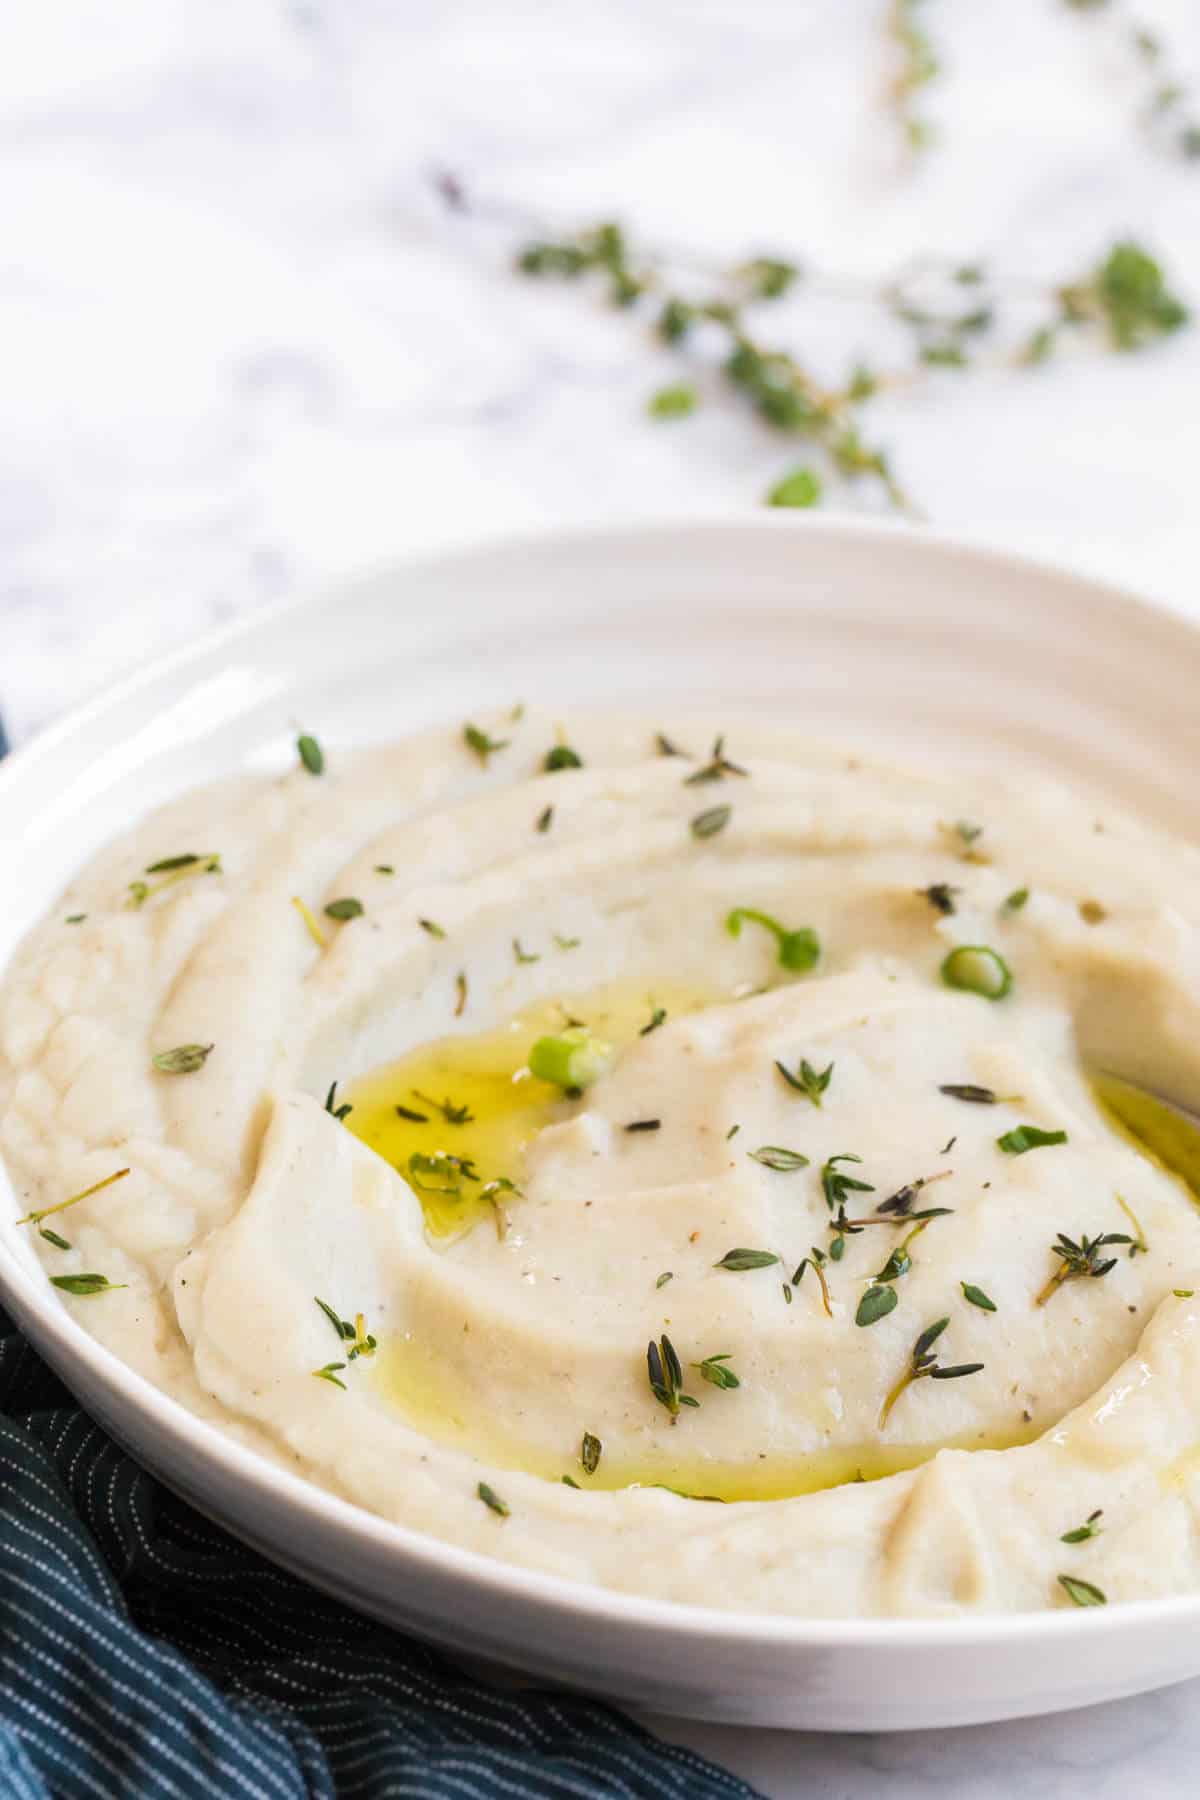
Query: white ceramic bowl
{"x": 867, "y": 633}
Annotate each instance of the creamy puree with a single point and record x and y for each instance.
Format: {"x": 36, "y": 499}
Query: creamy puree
{"x": 647, "y": 1049}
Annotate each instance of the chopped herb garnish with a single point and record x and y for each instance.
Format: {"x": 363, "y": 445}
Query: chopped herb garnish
{"x": 384, "y": 869}
{"x": 524, "y": 956}
{"x": 1081, "y": 1260}
{"x": 406, "y": 1112}
{"x": 875, "y": 1304}
{"x": 347, "y": 908}
{"x": 1016, "y": 900}
{"x": 810, "y": 1082}
{"x": 330, "y": 1373}
{"x": 674, "y": 402}
{"x": 341, "y": 1112}
{"x": 815, "y": 1260}
{"x": 310, "y": 924}
{"x": 644, "y": 1125}
{"x": 179, "y": 868}
{"x": 567, "y": 1481}
{"x": 923, "y": 1362}
{"x": 966, "y": 1090}
{"x": 460, "y": 993}
{"x": 1028, "y": 1137}
{"x": 44, "y": 1212}
{"x": 665, "y": 747}
{"x": 977, "y": 1297}
{"x": 491, "y": 1499}
{"x": 562, "y": 757}
{"x": 799, "y": 950}
{"x": 441, "y": 1173}
{"x": 483, "y": 745}
{"x": 491, "y": 1192}
{"x": 85, "y": 1284}
{"x": 353, "y": 1334}
{"x": 1081, "y": 1533}
{"x": 707, "y": 824}
{"x": 737, "y": 1261}
{"x": 565, "y": 943}
{"x": 712, "y": 1369}
{"x": 801, "y": 487}
{"x": 75, "y": 918}
{"x": 431, "y": 926}
{"x": 185, "y": 1059}
{"x": 716, "y": 769}
{"x": 1083, "y": 1593}
{"x": 667, "y": 1275}
{"x": 940, "y": 896}
{"x": 657, "y": 1018}
{"x": 774, "y": 1156}
{"x": 977, "y": 969}
{"x": 835, "y": 1186}
{"x": 573, "y": 1060}
{"x": 666, "y": 1377}
{"x": 452, "y": 1113}
{"x": 589, "y": 1452}
{"x": 1184, "y": 1293}
{"x": 52, "y": 1237}
{"x": 311, "y": 755}
{"x": 544, "y": 820}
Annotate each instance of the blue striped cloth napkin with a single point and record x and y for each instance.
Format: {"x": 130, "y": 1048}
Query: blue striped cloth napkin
{"x": 145, "y": 1653}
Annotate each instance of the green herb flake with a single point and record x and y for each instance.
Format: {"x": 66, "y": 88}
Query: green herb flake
{"x": 75, "y": 918}
{"x": 738, "y": 1261}
{"x": 966, "y": 1090}
{"x": 707, "y": 824}
{"x": 875, "y": 1304}
{"x": 1016, "y": 900}
{"x": 1028, "y": 1137}
{"x": 1089, "y": 1529}
{"x": 589, "y": 1452}
{"x": 492, "y": 1500}
{"x": 713, "y": 1370}
{"x": 85, "y": 1284}
{"x": 675, "y": 402}
{"x": 774, "y": 1156}
{"x": 432, "y": 927}
{"x": 977, "y": 1297}
{"x": 1080, "y": 1261}
{"x": 801, "y": 487}
{"x": 483, "y": 745}
{"x": 524, "y": 956}
{"x": 185, "y": 1059}
{"x": 657, "y": 1017}
{"x": 340, "y": 1113}
{"x": 52, "y": 1237}
{"x": 330, "y": 1374}
{"x": 809, "y": 1081}
{"x": 667, "y": 1275}
{"x": 311, "y": 755}
{"x": 835, "y": 1184}
{"x": 940, "y": 896}
{"x": 1082, "y": 1593}
{"x": 561, "y": 756}
{"x": 347, "y": 908}
{"x": 544, "y": 821}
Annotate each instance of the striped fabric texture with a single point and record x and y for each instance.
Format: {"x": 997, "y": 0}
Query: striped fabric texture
{"x": 143, "y": 1652}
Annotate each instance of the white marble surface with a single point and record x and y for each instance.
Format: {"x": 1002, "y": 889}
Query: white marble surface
{"x": 242, "y": 351}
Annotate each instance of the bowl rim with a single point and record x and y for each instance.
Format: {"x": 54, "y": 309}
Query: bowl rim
{"x": 23, "y": 1294}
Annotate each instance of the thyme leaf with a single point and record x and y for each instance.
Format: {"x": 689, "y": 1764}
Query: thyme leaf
{"x": 561, "y": 756}
{"x": 589, "y": 1452}
{"x": 707, "y": 824}
{"x": 347, "y": 908}
{"x": 185, "y": 1059}
{"x": 1081, "y": 1533}
{"x": 940, "y": 896}
{"x": 810, "y": 1082}
{"x": 492, "y": 1500}
{"x": 665, "y": 1376}
{"x": 712, "y": 1369}
{"x": 340, "y": 1113}
{"x": 966, "y": 1090}
{"x": 330, "y": 1373}
{"x": 483, "y": 745}
{"x": 835, "y": 1185}
{"x": 774, "y": 1156}
{"x": 1083, "y": 1593}
{"x": 311, "y": 755}
{"x": 716, "y": 768}
{"x": 977, "y": 1297}
{"x": 738, "y": 1261}
{"x": 85, "y": 1284}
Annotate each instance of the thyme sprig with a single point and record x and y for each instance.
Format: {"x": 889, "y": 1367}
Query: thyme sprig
{"x": 173, "y": 869}
{"x": 665, "y": 1375}
{"x": 712, "y": 1369}
{"x": 690, "y": 303}
{"x": 1080, "y": 1261}
{"x": 349, "y": 1332}
{"x": 916, "y": 65}
{"x": 923, "y": 1362}
{"x": 449, "y": 1109}
{"x": 717, "y": 767}
{"x": 809, "y": 1081}
{"x": 1089, "y": 1529}
{"x": 1167, "y": 110}
{"x": 44, "y": 1212}
{"x": 815, "y": 1260}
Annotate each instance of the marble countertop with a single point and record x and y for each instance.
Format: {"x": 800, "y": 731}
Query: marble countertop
{"x": 244, "y": 350}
